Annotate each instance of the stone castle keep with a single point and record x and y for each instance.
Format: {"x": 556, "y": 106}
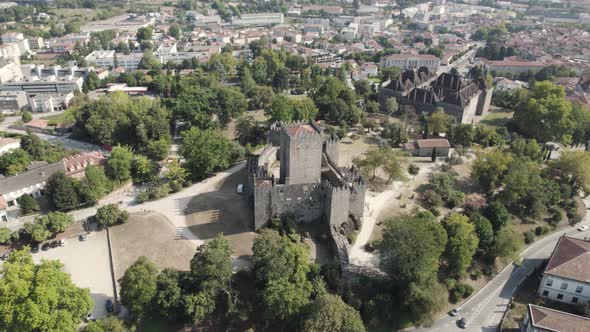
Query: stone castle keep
{"x": 297, "y": 174}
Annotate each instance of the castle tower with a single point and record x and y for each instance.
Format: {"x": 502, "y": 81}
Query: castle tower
{"x": 300, "y": 153}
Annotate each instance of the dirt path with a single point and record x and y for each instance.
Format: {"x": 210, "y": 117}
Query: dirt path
{"x": 378, "y": 202}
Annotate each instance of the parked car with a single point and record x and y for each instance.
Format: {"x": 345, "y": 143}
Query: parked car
{"x": 583, "y": 228}
{"x": 45, "y": 246}
{"x": 109, "y": 305}
{"x": 62, "y": 242}
{"x": 5, "y": 256}
{"x": 83, "y": 237}
{"x": 35, "y": 248}
{"x": 90, "y": 317}
{"x": 54, "y": 244}
{"x": 463, "y": 323}
{"x": 455, "y": 311}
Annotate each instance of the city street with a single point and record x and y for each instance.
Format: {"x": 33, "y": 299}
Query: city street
{"x": 484, "y": 310}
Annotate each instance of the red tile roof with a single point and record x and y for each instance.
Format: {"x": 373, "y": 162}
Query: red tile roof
{"x": 433, "y": 143}
{"x": 299, "y": 129}
{"x": 570, "y": 259}
{"x": 554, "y": 320}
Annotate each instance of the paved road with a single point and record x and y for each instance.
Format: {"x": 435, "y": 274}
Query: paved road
{"x": 484, "y": 310}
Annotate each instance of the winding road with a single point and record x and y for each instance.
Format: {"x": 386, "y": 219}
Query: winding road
{"x": 484, "y": 310}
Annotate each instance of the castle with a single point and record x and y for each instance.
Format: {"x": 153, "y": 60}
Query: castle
{"x": 458, "y": 96}
{"x": 297, "y": 175}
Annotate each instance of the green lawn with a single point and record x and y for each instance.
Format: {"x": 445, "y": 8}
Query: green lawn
{"x": 497, "y": 119}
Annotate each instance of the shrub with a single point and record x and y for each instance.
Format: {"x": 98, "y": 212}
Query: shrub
{"x": 159, "y": 191}
{"x": 455, "y": 198}
{"x": 556, "y": 215}
{"x": 541, "y": 230}
{"x": 460, "y": 291}
{"x": 476, "y": 274}
{"x": 28, "y": 204}
{"x": 413, "y": 169}
{"x": 432, "y": 199}
{"x": 451, "y": 283}
{"x": 575, "y": 219}
{"x": 446, "y": 167}
{"x": 110, "y": 214}
{"x": 529, "y": 237}
{"x": 143, "y": 196}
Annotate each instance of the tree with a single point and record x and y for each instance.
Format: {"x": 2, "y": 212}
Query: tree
{"x": 526, "y": 148}
{"x": 394, "y": 165}
{"x": 138, "y": 287}
{"x": 281, "y": 268}
{"x": 110, "y": 214}
{"x": 94, "y": 185}
{"x": 174, "y": 30}
{"x": 211, "y": 267}
{"x": 507, "y": 244}
{"x": 422, "y": 300}
{"x": 489, "y": 167}
{"x": 56, "y": 222}
{"x": 109, "y": 324}
{"x": 261, "y": 97}
{"x": 14, "y": 162}
{"x": 39, "y": 297}
{"x": 463, "y": 134}
{"x": 433, "y": 154}
{"x": 26, "y": 116}
{"x": 524, "y": 189}
{"x": 5, "y": 234}
{"x": 34, "y": 146}
{"x": 362, "y": 88}
{"x": 37, "y": 231}
{"x": 330, "y": 313}
{"x": 575, "y": 166}
{"x": 168, "y": 297}
{"x": 546, "y": 115}
{"x": 62, "y": 191}
{"x": 144, "y": 34}
{"x": 230, "y": 103}
{"x": 391, "y": 106}
{"x": 205, "y": 151}
{"x": 143, "y": 170}
{"x": 411, "y": 246}
{"x": 462, "y": 243}
{"x": 176, "y": 175}
{"x": 438, "y": 122}
{"x": 283, "y": 300}
{"x": 484, "y": 230}
{"x": 28, "y": 204}
{"x": 372, "y": 160}
{"x": 281, "y": 109}
{"x": 119, "y": 164}
{"x": 158, "y": 150}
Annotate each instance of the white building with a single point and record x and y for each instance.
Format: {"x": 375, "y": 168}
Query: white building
{"x": 261, "y": 19}
{"x": 567, "y": 275}
{"x": 12, "y": 101}
{"x": 9, "y": 71}
{"x": 46, "y": 85}
{"x": 106, "y": 59}
{"x": 18, "y": 39}
{"x": 350, "y": 32}
{"x": 43, "y": 103}
{"x": 411, "y": 61}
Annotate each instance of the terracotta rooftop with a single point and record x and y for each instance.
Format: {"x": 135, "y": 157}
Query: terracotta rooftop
{"x": 570, "y": 259}
{"x": 297, "y": 129}
{"x": 554, "y": 320}
{"x": 37, "y": 123}
{"x": 433, "y": 143}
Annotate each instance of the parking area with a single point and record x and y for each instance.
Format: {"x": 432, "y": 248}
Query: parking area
{"x": 88, "y": 264}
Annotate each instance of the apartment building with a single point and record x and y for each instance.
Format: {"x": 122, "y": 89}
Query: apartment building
{"x": 567, "y": 275}
{"x": 12, "y": 101}
{"x": 411, "y": 61}
{"x": 261, "y": 19}
{"x": 49, "y": 85}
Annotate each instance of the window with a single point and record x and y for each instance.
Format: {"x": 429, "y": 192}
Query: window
{"x": 579, "y": 289}
{"x": 549, "y": 282}
{"x": 10, "y": 203}
{"x": 564, "y": 285}
{"x": 574, "y": 300}
{"x": 545, "y": 293}
{"x": 559, "y": 296}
